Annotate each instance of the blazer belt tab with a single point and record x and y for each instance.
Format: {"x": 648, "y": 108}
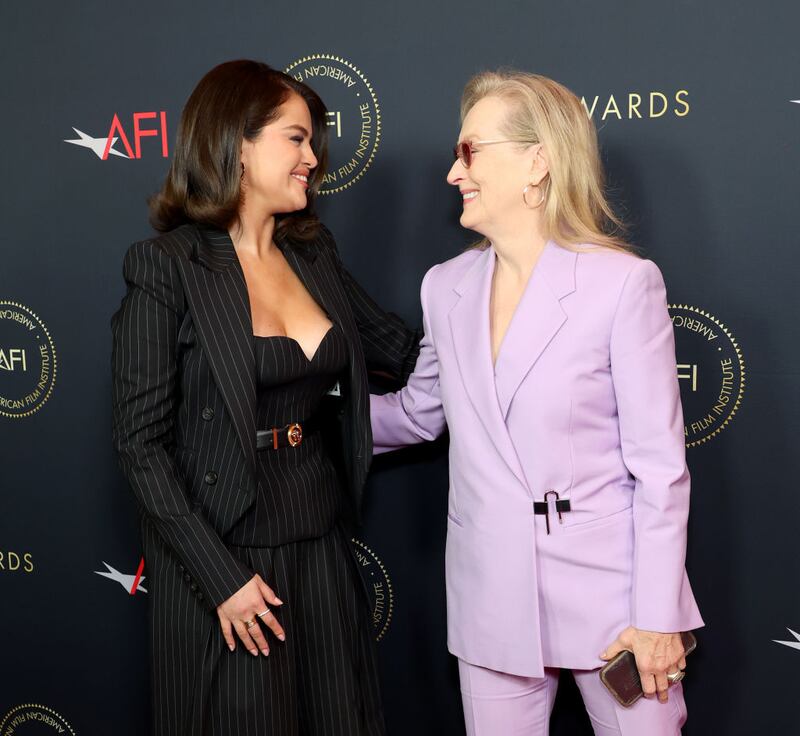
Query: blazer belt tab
{"x": 542, "y": 508}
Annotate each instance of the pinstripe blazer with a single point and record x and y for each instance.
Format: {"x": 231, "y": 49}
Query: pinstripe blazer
{"x": 184, "y": 392}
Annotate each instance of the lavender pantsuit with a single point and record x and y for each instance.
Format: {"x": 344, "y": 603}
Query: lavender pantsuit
{"x": 498, "y": 703}
{"x": 583, "y": 400}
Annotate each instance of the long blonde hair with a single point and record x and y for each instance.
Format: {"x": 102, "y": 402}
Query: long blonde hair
{"x": 575, "y": 208}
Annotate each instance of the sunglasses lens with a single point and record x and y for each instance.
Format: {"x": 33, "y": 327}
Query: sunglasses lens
{"x": 464, "y": 152}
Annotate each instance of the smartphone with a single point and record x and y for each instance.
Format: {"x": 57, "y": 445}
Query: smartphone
{"x": 621, "y": 676}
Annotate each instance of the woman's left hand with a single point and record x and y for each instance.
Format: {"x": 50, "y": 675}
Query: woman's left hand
{"x": 657, "y": 655}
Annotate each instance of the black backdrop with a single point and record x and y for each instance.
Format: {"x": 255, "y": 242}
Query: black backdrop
{"x": 709, "y": 188}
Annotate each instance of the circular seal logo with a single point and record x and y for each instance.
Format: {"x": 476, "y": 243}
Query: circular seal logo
{"x": 354, "y": 118}
{"x": 27, "y": 361}
{"x": 32, "y": 719}
{"x": 379, "y": 586}
{"x": 710, "y": 372}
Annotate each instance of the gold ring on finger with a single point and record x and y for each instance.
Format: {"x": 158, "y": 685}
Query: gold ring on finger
{"x": 674, "y": 677}
{"x": 250, "y": 624}
{"x": 263, "y": 613}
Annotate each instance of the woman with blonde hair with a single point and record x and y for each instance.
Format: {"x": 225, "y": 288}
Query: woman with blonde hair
{"x": 549, "y": 355}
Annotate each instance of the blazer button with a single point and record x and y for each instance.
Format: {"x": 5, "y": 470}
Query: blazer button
{"x": 199, "y": 595}
{"x": 187, "y": 577}
{"x": 207, "y": 414}
{"x": 193, "y": 587}
{"x": 181, "y": 567}
{"x": 211, "y": 478}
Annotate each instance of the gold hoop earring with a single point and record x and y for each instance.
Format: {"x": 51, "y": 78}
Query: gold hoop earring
{"x": 543, "y": 197}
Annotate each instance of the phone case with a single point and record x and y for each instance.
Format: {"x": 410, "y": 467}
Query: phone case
{"x": 621, "y": 677}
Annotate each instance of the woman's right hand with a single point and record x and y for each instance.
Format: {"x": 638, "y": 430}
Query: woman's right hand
{"x": 249, "y": 603}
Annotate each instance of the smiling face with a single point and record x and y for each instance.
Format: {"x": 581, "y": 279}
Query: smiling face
{"x": 491, "y": 188}
{"x": 279, "y": 161}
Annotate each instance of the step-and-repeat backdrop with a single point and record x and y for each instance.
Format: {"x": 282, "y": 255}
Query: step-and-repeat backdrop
{"x": 698, "y": 112}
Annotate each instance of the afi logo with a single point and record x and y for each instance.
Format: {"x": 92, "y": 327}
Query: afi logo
{"x": 335, "y": 121}
{"x": 143, "y": 125}
{"x": 796, "y": 643}
{"x": 690, "y": 375}
{"x": 131, "y": 583}
{"x": 12, "y": 357}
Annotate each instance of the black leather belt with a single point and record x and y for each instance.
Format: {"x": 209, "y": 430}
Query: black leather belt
{"x": 290, "y": 435}
{"x": 542, "y": 508}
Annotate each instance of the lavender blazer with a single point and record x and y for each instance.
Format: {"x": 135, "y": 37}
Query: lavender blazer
{"x": 583, "y": 400}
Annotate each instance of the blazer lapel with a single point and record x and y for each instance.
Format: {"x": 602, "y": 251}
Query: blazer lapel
{"x": 537, "y": 319}
{"x": 469, "y": 326}
{"x": 216, "y": 293}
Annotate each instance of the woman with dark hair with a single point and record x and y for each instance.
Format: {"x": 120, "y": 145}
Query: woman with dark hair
{"x": 240, "y": 364}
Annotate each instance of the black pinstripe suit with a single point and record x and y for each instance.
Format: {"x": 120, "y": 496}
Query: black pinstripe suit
{"x": 185, "y": 422}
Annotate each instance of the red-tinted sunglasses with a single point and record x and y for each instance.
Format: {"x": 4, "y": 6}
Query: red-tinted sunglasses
{"x": 463, "y": 150}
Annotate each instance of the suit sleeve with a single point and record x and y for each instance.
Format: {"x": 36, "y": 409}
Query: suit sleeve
{"x": 651, "y": 429}
{"x": 145, "y": 396}
{"x": 389, "y": 345}
{"x": 415, "y": 413}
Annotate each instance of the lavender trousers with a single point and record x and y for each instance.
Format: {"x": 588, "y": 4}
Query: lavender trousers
{"x": 498, "y": 703}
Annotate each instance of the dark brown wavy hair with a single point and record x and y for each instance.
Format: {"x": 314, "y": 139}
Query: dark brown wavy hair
{"x": 232, "y": 103}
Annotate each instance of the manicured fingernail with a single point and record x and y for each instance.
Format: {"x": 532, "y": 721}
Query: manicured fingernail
{"x": 231, "y": 647}
{"x": 282, "y": 637}
{"x": 265, "y": 652}
{"x": 279, "y": 601}
{"x": 254, "y": 652}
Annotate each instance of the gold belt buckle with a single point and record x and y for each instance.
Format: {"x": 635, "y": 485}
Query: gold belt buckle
{"x": 295, "y": 434}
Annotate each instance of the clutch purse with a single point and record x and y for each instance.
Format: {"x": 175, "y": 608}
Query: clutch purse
{"x": 621, "y": 677}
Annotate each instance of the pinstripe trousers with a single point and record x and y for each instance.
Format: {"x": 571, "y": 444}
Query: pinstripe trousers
{"x": 322, "y": 681}
{"x": 310, "y": 684}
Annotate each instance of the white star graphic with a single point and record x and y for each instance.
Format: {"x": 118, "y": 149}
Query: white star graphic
{"x": 126, "y": 581}
{"x": 792, "y": 644}
{"x": 98, "y": 145}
